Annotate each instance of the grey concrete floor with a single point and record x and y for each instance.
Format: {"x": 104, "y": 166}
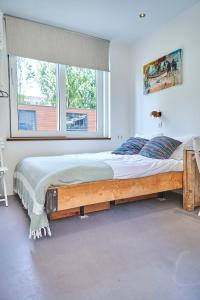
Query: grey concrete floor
{"x": 147, "y": 250}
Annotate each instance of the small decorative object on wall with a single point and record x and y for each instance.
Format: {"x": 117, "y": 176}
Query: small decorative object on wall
{"x": 155, "y": 114}
{"x": 163, "y": 73}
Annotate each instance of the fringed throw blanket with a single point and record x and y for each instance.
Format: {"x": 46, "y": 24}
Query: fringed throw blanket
{"x": 34, "y": 175}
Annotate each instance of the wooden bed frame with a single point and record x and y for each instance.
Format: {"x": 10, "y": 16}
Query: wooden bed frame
{"x": 77, "y": 199}
{"x": 191, "y": 192}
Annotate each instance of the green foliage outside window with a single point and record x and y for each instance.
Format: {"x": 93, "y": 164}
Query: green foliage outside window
{"x": 80, "y": 83}
{"x": 81, "y": 88}
{"x": 46, "y": 80}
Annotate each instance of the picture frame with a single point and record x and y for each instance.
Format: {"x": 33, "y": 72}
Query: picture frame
{"x": 163, "y": 73}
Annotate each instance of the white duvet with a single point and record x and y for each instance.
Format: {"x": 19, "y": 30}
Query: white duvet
{"x": 134, "y": 166}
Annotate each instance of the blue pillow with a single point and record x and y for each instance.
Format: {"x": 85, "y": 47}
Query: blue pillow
{"x": 132, "y": 146}
{"x": 160, "y": 147}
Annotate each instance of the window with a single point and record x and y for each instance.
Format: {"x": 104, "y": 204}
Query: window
{"x": 76, "y": 121}
{"x": 26, "y": 119}
{"x": 50, "y": 99}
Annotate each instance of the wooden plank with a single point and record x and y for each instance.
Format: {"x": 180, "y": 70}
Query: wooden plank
{"x": 76, "y": 211}
{"x": 196, "y": 184}
{"x": 122, "y": 201}
{"x": 64, "y": 213}
{"x": 190, "y": 182}
{"x": 191, "y": 190}
{"x": 52, "y": 138}
{"x": 96, "y": 207}
{"x": 77, "y": 195}
{"x": 185, "y": 181}
{"x": 188, "y": 195}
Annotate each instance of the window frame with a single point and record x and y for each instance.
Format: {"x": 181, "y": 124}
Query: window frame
{"x": 102, "y": 109}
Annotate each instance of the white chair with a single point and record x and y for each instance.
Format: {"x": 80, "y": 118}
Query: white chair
{"x": 3, "y": 170}
{"x": 196, "y": 146}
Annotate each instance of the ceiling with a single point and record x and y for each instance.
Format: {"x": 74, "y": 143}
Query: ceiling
{"x": 111, "y": 19}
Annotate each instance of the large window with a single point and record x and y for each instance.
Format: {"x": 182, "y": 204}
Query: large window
{"x": 48, "y": 99}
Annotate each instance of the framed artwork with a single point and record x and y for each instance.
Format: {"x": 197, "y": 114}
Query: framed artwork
{"x": 163, "y": 73}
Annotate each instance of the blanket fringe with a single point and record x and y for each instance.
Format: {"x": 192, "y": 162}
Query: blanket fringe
{"x": 36, "y": 234}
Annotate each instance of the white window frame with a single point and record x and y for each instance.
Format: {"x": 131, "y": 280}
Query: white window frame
{"x": 102, "y": 110}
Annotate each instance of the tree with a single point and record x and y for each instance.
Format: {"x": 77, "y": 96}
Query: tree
{"x": 81, "y": 88}
{"x": 46, "y": 79}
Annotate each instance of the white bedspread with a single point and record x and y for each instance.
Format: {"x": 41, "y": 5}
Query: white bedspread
{"x": 134, "y": 166}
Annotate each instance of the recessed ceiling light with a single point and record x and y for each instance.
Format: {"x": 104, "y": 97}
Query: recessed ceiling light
{"x": 142, "y": 15}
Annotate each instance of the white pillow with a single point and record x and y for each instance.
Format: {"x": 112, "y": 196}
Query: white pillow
{"x": 186, "y": 141}
{"x": 148, "y": 136}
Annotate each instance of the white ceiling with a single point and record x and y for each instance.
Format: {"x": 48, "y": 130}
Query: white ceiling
{"x": 111, "y": 19}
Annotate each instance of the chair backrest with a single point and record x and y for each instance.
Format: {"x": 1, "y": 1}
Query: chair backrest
{"x": 196, "y": 146}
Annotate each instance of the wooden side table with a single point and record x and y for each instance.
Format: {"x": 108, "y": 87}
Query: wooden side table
{"x": 191, "y": 186}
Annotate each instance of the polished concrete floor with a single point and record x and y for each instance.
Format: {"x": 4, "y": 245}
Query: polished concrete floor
{"x": 148, "y": 250}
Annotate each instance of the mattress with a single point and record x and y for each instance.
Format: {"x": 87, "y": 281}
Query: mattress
{"x": 133, "y": 166}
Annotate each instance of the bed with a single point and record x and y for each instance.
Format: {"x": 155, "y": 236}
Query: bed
{"x": 75, "y": 184}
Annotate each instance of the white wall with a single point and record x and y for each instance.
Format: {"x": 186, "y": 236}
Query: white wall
{"x": 179, "y": 105}
{"x": 120, "y": 56}
{"x": 130, "y": 109}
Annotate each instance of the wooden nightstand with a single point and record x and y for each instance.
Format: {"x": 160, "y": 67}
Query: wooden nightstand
{"x": 191, "y": 187}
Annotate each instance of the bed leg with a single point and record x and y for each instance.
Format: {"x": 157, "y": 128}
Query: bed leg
{"x": 82, "y": 213}
{"x": 162, "y": 196}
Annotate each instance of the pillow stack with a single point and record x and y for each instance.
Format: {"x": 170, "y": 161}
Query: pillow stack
{"x": 159, "y": 147}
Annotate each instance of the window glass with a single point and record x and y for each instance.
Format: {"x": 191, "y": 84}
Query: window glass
{"x": 76, "y": 121}
{"x": 26, "y": 119}
{"x": 36, "y": 95}
{"x": 81, "y": 99}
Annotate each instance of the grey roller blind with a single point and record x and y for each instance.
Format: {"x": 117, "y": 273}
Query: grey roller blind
{"x": 43, "y": 42}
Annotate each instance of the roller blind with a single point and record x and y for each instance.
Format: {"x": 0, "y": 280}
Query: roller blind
{"x": 43, "y": 42}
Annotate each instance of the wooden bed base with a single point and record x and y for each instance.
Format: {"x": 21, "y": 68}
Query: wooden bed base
{"x": 68, "y": 200}
{"x": 76, "y": 211}
{"x": 132, "y": 199}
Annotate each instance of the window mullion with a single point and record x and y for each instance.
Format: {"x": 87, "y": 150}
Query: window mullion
{"x": 62, "y": 98}
{"x": 58, "y": 97}
{"x": 99, "y": 104}
{"x": 13, "y": 94}
{"x": 106, "y": 104}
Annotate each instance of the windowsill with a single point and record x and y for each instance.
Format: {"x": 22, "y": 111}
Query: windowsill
{"x": 60, "y": 138}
